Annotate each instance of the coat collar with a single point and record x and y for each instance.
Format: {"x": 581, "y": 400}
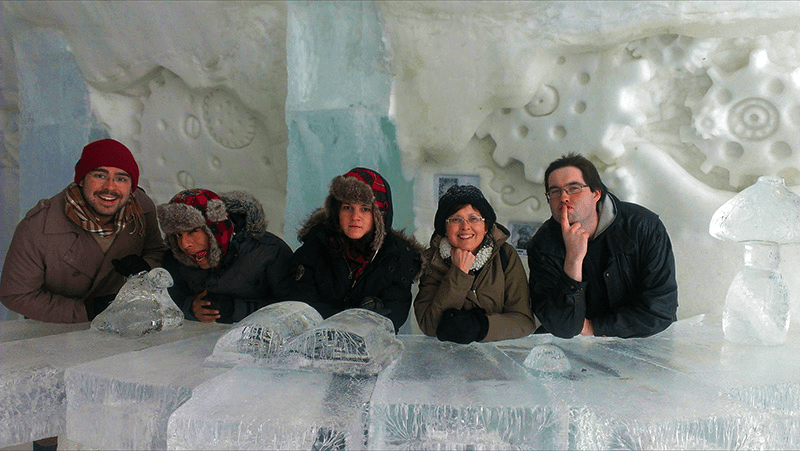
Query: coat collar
{"x": 57, "y": 221}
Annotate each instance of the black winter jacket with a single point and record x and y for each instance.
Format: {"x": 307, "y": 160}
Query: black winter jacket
{"x": 323, "y": 278}
{"x": 253, "y": 273}
{"x": 635, "y": 296}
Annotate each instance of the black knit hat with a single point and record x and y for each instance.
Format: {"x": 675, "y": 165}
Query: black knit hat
{"x": 462, "y": 195}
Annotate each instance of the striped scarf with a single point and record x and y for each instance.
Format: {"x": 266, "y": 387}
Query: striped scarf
{"x": 77, "y": 211}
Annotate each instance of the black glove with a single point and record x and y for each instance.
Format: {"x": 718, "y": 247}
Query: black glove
{"x": 98, "y": 304}
{"x": 376, "y": 305}
{"x": 130, "y": 265}
{"x": 224, "y": 303}
{"x": 463, "y": 326}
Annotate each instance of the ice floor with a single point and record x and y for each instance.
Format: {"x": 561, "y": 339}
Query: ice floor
{"x": 685, "y": 388}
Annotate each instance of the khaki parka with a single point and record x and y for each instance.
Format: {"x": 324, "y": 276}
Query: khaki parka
{"x": 502, "y": 293}
{"x": 54, "y": 268}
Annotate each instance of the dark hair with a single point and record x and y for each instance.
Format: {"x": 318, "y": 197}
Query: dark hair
{"x": 338, "y": 240}
{"x": 454, "y": 209}
{"x": 590, "y": 175}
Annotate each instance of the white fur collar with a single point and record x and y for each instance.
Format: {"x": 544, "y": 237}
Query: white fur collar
{"x": 483, "y": 255}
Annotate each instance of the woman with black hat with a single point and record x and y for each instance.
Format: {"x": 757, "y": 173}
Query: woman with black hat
{"x": 474, "y": 287}
{"x": 351, "y": 256}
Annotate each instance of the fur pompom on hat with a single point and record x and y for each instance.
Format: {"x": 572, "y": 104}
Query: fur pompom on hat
{"x": 109, "y": 153}
{"x": 363, "y": 186}
{"x": 192, "y": 209}
{"x": 462, "y": 195}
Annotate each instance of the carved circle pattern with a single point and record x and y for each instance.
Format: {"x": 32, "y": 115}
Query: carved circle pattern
{"x": 227, "y": 121}
{"x": 185, "y": 180}
{"x": 544, "y": 102}
{"x": 753, "y": 119}
{"x": 192, "y": 126}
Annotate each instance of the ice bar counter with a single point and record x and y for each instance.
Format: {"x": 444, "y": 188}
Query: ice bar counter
{"x": 33, "y": 396}
{"x": 685, "y": 388}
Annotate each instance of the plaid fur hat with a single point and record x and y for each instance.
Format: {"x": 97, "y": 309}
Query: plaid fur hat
{"x": 196, "y": 208}
{"x": 462, "y": 195}
{"x": 363, "y": 186}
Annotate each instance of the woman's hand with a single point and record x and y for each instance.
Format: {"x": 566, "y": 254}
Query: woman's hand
{"x": 462, "y": 259}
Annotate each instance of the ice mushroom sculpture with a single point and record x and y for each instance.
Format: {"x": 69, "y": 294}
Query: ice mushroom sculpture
{"x": 763, "y": 217}
{"x": 142, "y": 306}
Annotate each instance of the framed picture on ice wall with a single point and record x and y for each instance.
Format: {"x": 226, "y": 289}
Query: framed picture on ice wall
{"x": 521, "y": 233}
{"x": 442, "y": 182}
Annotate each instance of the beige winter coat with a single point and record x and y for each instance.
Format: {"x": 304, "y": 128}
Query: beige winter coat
{"x": 503, "y": 294}
{"x": 54, "y": 267}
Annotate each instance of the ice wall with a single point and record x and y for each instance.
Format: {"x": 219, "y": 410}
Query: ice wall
{"x": 337, "y": 106}
{"x": 681, "y": 104}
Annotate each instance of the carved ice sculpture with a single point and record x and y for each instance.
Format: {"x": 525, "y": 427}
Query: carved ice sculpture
{"x": 263, "y": 334}
{"x": 763, "y": 217}
{"x": 355, "y": 342}
{"x": 142, "y": 306}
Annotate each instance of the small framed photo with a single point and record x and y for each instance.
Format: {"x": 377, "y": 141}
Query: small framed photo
{"x": 521, "y": 234}
{"x": 442, "y": 182}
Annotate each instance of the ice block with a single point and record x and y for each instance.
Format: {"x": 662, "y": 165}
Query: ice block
{"x": 263, "y": 408}
{"x": 619, "y": 401}
{"x": 21, "y": 329}
{"x": 766, "y": 378}
{"x": 32, "y": 391}
{"x": 449, "y": 396}
{"x": 124, "y": 401}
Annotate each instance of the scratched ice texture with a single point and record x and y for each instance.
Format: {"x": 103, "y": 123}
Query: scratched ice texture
{"x": 32, "y": 391}
{"x": 263, "y": 408}
{"x": 124, "y": 401}
{"x": 263, "y": 334}
{"x": 354, "y": 341}
{"x": 685, "y": 388}
{"x": 447, "y": 396}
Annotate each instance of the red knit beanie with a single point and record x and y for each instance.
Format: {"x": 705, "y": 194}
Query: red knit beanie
{"x": 110, "y": 153}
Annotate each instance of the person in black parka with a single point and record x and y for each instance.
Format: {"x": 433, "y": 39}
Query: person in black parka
{"x": 351, "y": 257}
{"x": 224, "y": 263}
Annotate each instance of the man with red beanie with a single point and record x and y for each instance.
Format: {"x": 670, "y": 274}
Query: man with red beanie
{"x": 71, "y": 253}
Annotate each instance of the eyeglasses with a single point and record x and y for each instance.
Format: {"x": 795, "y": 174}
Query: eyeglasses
{"x": 571, "y": 189}
{"x": 459, "y": 221}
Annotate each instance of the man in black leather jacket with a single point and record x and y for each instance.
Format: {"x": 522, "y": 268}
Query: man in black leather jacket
{"x": 599, "y": 266}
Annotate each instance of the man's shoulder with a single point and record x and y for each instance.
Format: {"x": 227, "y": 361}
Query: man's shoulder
{"x": 548, "y": 237}
{"x": 43, "y": 206}
{"x": 634, "y": 214}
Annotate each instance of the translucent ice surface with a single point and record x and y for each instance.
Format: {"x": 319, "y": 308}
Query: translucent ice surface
{"x": 264, "y": 333}
{"x": 124, "y": 401}
{"x": 547, "y": 358}
{"x": 449, "y": 396}
{"x": 142, "y": 306}
{"x": 21, "y": 329}
{"x": 261, "y": 408}
{"x": 766, "y": 378}
{"x": 626, "y": 403}
{"x": 32, "y": 391}
{"x": 354, "y": 341}
{"x": 686, "y": 387}
{"x": 765, "y": 211}
{"x": 757, "y": 306}
{"x": 763, "y": 216}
